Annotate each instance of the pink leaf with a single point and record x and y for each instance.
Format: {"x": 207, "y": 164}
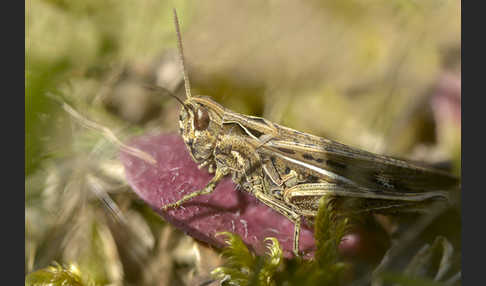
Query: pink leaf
{"x": 226, "y": 209}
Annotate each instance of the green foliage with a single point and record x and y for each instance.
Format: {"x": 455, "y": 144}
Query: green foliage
{"x": 67, "y": 41}
{"x": 244, "y": 268}
{"x": 56, "y": 275}
{"x": 406, "y": 280}
{"x": 432, "y": 261}
{"x": 41, "y": 77}
{"x": 429, "y": 267}
{"x": 82, "y": 44}
{"x": 326, "y": 267}
{"x": 328, "y": 233}
{"x": 76, "y": 200}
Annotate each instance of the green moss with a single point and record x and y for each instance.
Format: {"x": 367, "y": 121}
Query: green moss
{"x": 56, "y": 275}
{"x": 242, "y": 267}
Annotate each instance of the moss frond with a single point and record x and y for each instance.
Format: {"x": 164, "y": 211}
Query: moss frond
{"x": 237, "y": 254}
{"x": 328, "y": 232}
{"x": 239, "y": 261}
{"x": 274, "y": 255}
{"x": 272, "y": 261}
{"x": 244, "y": 268}
{"x": 56, "y": 275}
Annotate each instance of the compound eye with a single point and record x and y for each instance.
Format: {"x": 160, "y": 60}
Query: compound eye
{"x": 201, "y": 120}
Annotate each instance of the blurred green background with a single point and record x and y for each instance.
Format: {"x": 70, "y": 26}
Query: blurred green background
{"x": 379, "y": 75}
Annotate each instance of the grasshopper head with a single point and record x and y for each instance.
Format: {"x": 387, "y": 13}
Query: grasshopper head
{"x": 199, "y": 127}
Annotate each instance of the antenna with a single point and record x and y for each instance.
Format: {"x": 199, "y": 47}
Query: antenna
{"x": 187, "y": 85}
{"x": 155, "y": 88}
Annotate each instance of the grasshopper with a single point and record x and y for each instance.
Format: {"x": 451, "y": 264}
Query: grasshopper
{"x": 289, "y": 171}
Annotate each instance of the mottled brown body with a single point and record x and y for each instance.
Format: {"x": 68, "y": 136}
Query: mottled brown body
{"x": 290, "y": 171}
